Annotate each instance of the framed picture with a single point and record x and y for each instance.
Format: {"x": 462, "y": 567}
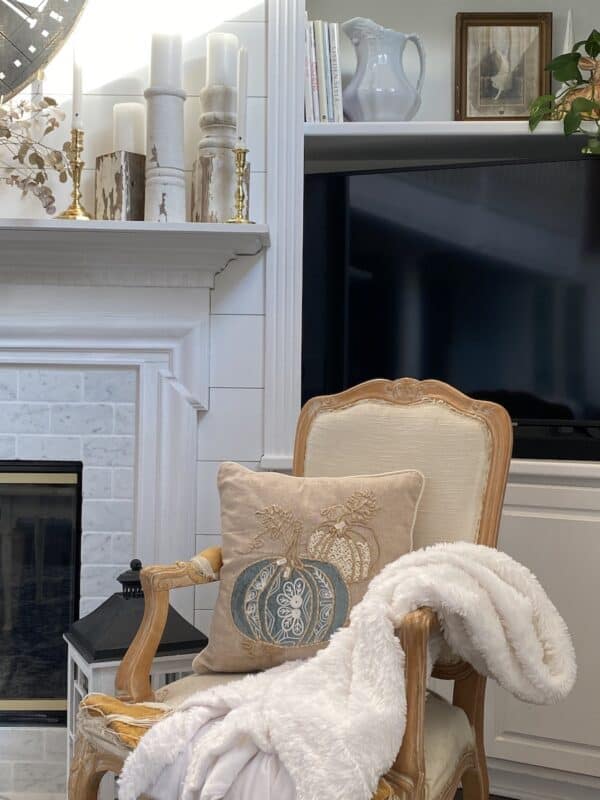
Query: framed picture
{"x": 500, "y": 64}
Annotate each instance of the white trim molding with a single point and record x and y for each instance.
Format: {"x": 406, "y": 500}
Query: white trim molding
{"x": 164, "y": 336}
{"x": 527, "y": 782}
{"x": 99, "y": 253}
{"x": 285, "y": 180}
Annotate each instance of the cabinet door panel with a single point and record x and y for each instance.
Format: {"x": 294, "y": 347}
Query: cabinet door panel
{"x": 562, "y": 547}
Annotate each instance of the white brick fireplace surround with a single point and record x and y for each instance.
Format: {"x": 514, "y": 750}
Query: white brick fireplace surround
{"x": 85, "y": 414}
{"x": 149, "y": 390}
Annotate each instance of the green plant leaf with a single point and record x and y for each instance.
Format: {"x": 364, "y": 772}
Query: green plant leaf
{"x": 540, "y": 109}
{"x": 572, "y": 122}
{"x": 582, "y": 105}
{"x": 592, "y": 44}
{"x": 566, "y": 68}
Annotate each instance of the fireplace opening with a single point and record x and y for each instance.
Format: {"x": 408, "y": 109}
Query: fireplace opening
{"x": 40, "y": 560}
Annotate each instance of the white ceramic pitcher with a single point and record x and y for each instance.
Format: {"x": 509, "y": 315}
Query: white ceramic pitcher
{"x": 380, "y": 90}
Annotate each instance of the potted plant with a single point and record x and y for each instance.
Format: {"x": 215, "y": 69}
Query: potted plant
{"x": 577, "y": 103}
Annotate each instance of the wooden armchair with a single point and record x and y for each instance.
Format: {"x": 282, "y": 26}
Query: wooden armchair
{"x": 463, "y": 448}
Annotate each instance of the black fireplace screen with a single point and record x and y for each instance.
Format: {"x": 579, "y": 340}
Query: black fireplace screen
{"x": 40, "y": 534}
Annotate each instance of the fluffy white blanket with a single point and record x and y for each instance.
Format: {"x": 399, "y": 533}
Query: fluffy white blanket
{"x": 330, "y": 726}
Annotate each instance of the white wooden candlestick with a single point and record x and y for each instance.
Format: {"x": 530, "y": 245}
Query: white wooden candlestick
{"x": 214, "y": 182}
{"x": 165, "y": 177}
{"x": 214, "y": 178}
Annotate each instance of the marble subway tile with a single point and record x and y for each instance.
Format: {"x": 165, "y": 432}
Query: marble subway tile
{"x": 8, "y": 446}
{"x": 99, "y": 580}
{"x": 122, "y": 548}
{"x": 122, "y": 483}
{"x": 108, "y": 451}
{"x": 96, "y": 548}
{"x": 97, "y": 482}
{"x": 125, "y": 418}
{"x": 24, "y": 418}
{"x": 18, "y": 744}
{"x": 92, "y": 418}
{"x": 8, "y": 384}
{"x": 55, "y": 448}
{"x": 56, "y": 745}
{"x": 51, "y": 385}
{"x": 107, "y": 515}
{"x": 30, "y": 776}
{"x": 113, "y": 386}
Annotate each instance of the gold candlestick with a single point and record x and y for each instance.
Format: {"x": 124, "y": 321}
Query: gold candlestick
{"x": 241, "y": 199}
{"x": 76, "y": 210}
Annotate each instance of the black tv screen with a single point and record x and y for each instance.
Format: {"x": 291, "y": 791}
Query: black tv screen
{"x": 483, "y": 276}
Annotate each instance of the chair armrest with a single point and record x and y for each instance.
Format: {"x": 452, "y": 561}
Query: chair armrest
{"x": 407, "y": 776}
{"x": 132, "y": 683}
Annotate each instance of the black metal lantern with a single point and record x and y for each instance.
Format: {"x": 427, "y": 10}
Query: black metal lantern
{"x": 106, "y": 633}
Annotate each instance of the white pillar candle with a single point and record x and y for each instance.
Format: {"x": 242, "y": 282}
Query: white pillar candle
{"x": 129, "y": 128}
{"x": 77, "y": 121}
{"x": 221, "y": 58}
{"x": 167, "y": 61}
{"x": 242, "y": 95}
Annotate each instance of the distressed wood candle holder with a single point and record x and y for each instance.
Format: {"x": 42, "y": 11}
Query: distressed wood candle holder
{"x": 215, "y": 180}
{"x": 120, "y": 186}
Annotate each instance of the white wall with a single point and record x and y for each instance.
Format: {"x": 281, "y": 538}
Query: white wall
{"x": 113, "y": 41}
{"x": 435, "y": 22}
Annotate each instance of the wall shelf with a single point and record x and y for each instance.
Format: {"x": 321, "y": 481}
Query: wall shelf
{"x": 363, "y": 145}
{"x": 123, "y": 253}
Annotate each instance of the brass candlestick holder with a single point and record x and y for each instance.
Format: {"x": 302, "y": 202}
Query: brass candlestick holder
{"x": 241, "y": 198}
{"x": 76, "y": 211}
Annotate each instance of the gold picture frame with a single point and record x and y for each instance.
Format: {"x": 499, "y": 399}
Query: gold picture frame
{"x": 500, "y": 62}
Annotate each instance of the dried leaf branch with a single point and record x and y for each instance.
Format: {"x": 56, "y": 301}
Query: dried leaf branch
{"x": 23, "y": 128}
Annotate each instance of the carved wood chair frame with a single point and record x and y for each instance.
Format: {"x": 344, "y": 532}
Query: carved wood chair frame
{"x": 406, "y": 779}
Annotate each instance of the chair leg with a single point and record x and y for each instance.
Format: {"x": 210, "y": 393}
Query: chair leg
{"x": 476, "y": 784}
{"x": 88, "y": 767}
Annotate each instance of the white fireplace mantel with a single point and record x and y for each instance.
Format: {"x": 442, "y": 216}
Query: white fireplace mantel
{"x": 135, "y": 296}
{"x": 98, "y": 253}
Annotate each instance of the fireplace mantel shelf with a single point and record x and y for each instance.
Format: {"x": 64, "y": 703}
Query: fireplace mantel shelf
{"x": 99, "y": 253}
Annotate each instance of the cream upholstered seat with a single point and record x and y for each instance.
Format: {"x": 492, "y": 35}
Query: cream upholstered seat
{"x": 447, "y": 730}
{"x": 463, "y": 448}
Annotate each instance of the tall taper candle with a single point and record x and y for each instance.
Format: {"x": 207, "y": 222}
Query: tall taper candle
{"x": 242, "y": 96}
{"x": 77, "y": 122}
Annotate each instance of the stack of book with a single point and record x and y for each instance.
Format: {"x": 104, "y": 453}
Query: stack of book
{"x": 322, "y": 73}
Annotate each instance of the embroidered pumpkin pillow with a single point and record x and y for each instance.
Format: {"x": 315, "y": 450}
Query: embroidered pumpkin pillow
{"x": 298, "y": 553}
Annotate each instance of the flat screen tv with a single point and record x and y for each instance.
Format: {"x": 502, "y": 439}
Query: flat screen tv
{"x": 486, "y": 276}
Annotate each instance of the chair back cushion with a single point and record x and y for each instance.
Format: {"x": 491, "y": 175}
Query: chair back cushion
{"x": 461, "y": 446}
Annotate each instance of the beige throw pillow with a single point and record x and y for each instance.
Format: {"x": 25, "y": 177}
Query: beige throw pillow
{"x": 298, "y": 553}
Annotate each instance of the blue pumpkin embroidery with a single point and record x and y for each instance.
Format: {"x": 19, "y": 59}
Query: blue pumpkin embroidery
{"x": 288, "y": 601}
{"x": 289, "y": 608}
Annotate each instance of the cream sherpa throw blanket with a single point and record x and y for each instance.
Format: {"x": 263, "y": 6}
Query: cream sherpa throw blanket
{"x": 330, "y": 726}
